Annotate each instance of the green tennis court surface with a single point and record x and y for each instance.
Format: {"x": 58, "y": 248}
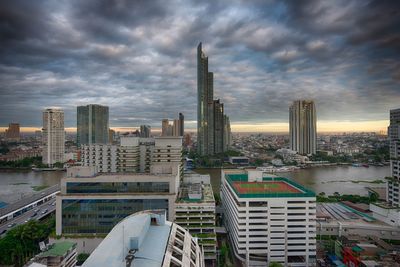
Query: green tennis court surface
{"x": 264, "y": 187}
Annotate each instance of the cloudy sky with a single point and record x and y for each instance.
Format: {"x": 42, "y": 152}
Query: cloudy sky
{"x": 139, "y": 58}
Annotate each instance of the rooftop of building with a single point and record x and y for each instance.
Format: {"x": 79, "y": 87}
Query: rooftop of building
{"x": 58, "y": 249}
{"x": 195, "y": 188}
{"x": 144, "y": 235}
{"x": 246, "y": 185}
{"x": 192, "y": 193}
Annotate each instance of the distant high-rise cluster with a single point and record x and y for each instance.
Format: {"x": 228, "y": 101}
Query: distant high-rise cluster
{"x": 303, "y": 127}
{"x": 394, "y": 137}
{"x": 12, "y": 133}
{"x": 213, "y": 127}
{"x": 145, "y": 131}
{"x": 53, "y": 136}
{"x": 174, "y": 129}
{"x": 92, "y": 125}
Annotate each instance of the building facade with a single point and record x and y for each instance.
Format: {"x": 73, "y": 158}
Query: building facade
{"x": 269, "y": 219}
{"x": 53, "y": 136}
{"x": 390, "y": 212}
{"x": 133, "y": 154}
{"x": 218, "y": 127}
{"x": 92, "y": 125}
{"x": 164, "y": 127}
{"x": 175, "y": 129}
{"x": 92, "y": 203}
{"x": 13, "y": 133}
{"x": 303, "y": 127}
{"x": 227, "y": 133}
{"x": 393, "y": 183}
{"x": 195, "y": 211}
{"x": 147, "y": 239}
{"x": 145, "y": 131}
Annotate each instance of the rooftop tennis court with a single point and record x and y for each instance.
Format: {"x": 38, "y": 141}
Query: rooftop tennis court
{"x": 274, "y": 187}
{"x": 264, "y": 187}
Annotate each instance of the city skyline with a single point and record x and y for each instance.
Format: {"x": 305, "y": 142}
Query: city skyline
{"x": 264, "y": 56}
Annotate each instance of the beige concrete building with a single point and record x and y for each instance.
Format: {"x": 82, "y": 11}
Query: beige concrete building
{"x": 53, "y": 136}
{"x": 12, "y": 133}
{"x": 303, "y": 127}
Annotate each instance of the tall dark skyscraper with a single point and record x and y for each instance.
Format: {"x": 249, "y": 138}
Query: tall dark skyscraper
{"x": 210, "y": 112}
{"x": 181, "y": 124}
{"x": 218, "y": 127}
{"x": 204, "y": 104}
{"x": 92, "y": 125}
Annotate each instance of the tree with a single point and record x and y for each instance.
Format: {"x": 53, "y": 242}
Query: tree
{"x": 22, "y": 242}
{"x": 81, "y": 258}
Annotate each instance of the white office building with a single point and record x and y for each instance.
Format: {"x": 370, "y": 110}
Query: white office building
{"x": 53, "y": 136}
{"x": 147, "y": 239}
{"x": 269, "y": 218}
{"x": 390, "y": 212}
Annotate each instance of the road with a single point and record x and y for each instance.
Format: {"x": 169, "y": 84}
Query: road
{"x": 23, "y": 218}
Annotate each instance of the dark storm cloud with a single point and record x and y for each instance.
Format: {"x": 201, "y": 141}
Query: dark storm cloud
{"x": 139, "y": 58}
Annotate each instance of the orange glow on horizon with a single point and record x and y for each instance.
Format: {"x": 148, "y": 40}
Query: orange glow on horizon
{"x": 275, "y": 127}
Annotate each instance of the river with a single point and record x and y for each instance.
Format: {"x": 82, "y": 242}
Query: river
{"x": 328, "y": 179}
{"x": 17, "y": 184}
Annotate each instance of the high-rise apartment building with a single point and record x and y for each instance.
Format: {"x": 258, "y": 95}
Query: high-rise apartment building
{"x": 53, "y": 136}
{"x": 12, "y": 133}
{"x": 92, "y": 125}
{"x": 174, "y": 129}
{"x": 111, "y": 136}
{"x": 393, "y": 184}
{"x": 210, "y": 112}
{"x": 227, "y": 133}
{"x": 269, "y": 219}
{"x": 164, "y": 127}
{"x": 303, "y": 127}
{"x": 390, "y": 212}
{"x": 145, "y": 131}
